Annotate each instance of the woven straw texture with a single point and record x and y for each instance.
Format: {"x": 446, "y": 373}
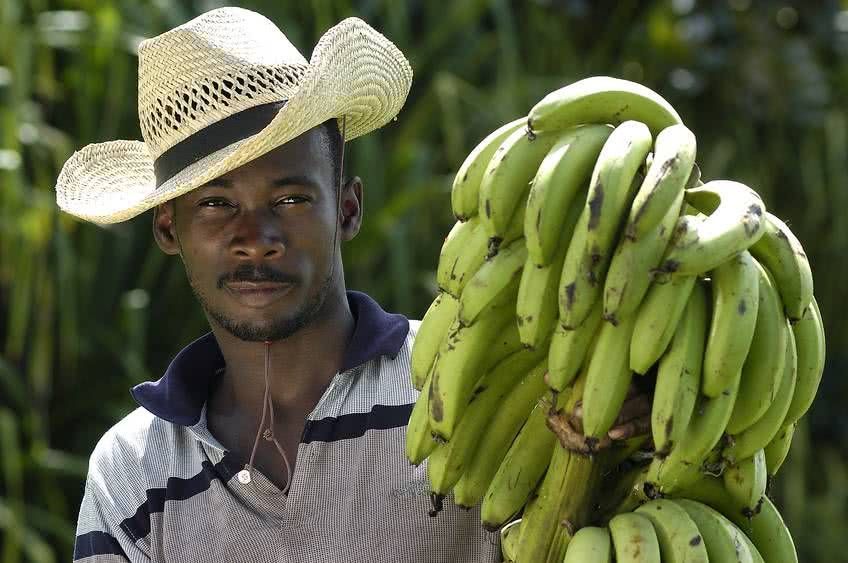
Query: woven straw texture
{"x": 220, "y": 63}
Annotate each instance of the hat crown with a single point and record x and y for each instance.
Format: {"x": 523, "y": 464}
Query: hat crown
{"x": 217, "y": 64}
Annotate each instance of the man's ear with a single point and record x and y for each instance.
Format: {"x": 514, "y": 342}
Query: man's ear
{"x": 351, "y": 208}
{"x": 165, "y": 228}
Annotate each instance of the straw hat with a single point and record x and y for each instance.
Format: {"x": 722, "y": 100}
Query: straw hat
{"x": 222, "y": 90}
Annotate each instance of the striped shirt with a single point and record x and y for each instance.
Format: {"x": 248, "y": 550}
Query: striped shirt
{"x": 160, "y": 487}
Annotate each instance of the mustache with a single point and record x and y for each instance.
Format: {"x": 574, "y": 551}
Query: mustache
{"x": 251, "y": 273}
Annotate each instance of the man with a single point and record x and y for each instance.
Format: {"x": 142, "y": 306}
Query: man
{"x": 242, "y": 165}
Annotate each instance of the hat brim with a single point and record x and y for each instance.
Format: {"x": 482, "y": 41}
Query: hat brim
{"x": 354, "y": 72}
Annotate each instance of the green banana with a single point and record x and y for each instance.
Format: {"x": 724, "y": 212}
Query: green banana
{"x": 758, "y": 435}
{"x": 463, "y": 355}
{"x": 569, "y": 348}
{"x": 465, "y": 193}
{"x": 734, "y": 223}
{"x": 601, "y": 99}
{"x": 781, "y": 252}
{"x": 510, "y": 535}
{"x": 520, "y": 471}
{"x": 723, "y": 540}
{"x": 735, "y": 290}
{"x": 445, "y": 469}
{"x": 419, "y": 441}
{"x": 746, "y": 480}
{"x": 577, "y": 292}
{"x": 510, "y": 416}
{"x": 506, "y": 181}
{"x": 634, "y": 539}
{"x": 431, "y": 331}
{"x": 777, "y": 450}
{"x": 629, "y": 274}
{"x": 656, "y": 320}
{"x": 765, "y": 529}
{"x": 810, "y": 344}
{"x": 536, "y": 305}
{"x": 672, "y": 165}
{"x": 463, "y": 252}
{"x": 679, "y": 374}
{"x": 679, "y": 537}
{"x": 611, "y": 191}
{"x": 762, "y": 371}
{"x": 589, "y": 544}
{"x": 700, "y": 437}
{"x": 608, "y": 378}
{"x": 498, "y": 275}
{"x": 558, "y": 190}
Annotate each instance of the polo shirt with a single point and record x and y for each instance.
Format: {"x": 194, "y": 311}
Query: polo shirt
{"x": 160, "y": 487}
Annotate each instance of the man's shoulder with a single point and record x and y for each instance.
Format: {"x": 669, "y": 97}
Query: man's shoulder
{"x": 125, "y": 448}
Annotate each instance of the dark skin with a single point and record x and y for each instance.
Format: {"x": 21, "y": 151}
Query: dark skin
{"x": 276, "y": 218}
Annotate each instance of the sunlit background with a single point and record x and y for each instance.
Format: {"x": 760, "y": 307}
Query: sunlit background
{"x": 86, "y": 312}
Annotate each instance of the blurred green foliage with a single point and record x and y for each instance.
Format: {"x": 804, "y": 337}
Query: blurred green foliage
{"x": 86, "y": 312}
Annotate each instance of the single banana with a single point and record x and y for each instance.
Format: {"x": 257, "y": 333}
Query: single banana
{"x": 510, "y": 535}
{"x": 723, "y": 540}
{"x": 465, "y": 194}
{"x": 577, "y": 292}
{"x": 781, "y": 252}
{"x": 601, "y": 99}
{"x": 758, "y": 435}
{"x": 611, "y": 191}
{"x": 569, "y": 348}
{"x": 498, "y": 275}
{"x": 634, "y": 539}
{"x": 506, "y": 181}
{"x": 762, "y": 371}
{"x": 589, "y": 544}
{"x": 679, "y": 374}
{"x": 419, "y": 440}
{"x": 463, "y": 357}
{"x": 735, "y": 291}
{"x": 445, "y": 469}
{"x": 734, "y": 223}
{"x": 746, "y": 480}
{"x": 492, "y": 447}
{"x": 700, "y": 437}
{"x": 558, "y": 190}
{"x": 672, "y": 165}
{"x": 629, "y": 274}
{"x": 608, "y": 376}
{"x": 520, "y": 471}
{"x": 438, "y": 318}
{"x": 656, "y": 321}
{"x": 765, "y": 529}
{"x": 777, "y": 450}
{"x": 810, "y": 344}
{"x": 536, "y": 305}
{"x": 679, "y": 537}
{"x": 463, "y": 252}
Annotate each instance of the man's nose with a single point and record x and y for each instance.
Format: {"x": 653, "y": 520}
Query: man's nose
{"x": 257, "y": 235}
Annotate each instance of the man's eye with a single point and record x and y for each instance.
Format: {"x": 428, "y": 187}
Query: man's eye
{"x": 291, "y": 199}
{"x": 209, "y": 202}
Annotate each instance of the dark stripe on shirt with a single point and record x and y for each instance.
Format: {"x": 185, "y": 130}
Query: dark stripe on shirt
{"x": 354, "y": 425}
{"x": 138, "y": 525}
{"x": 96, "y": 543}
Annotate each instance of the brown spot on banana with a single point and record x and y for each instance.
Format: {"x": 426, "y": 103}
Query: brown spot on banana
{"x": 595, "y": 205}
{"x": 742, "y": 307}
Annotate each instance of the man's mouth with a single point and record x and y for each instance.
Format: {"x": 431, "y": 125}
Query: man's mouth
{"x": 258, "y": 294}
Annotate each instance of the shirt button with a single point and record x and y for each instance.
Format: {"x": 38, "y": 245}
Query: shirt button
{"x": 244, "y": 476}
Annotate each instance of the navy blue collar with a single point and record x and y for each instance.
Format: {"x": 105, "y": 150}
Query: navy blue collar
{"x": 179, "y": 395}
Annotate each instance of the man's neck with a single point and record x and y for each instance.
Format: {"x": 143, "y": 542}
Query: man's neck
{"x": 301, "y": 366}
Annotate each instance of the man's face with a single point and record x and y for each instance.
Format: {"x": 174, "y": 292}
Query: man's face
{"x": 273, "y": 220}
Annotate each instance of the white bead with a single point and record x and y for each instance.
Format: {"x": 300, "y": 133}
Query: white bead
{"x": 244, "y": 476}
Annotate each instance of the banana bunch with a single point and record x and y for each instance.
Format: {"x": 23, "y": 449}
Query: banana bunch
{"x": 592, "y": 276}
